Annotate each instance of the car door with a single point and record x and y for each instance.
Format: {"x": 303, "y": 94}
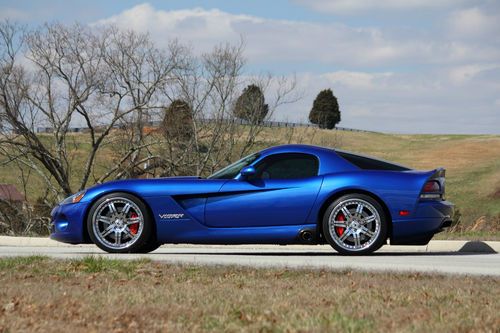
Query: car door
{"x": 282, "y": 192}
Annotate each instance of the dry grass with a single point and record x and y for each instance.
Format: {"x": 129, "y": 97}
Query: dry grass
{"x": 39, "y": 294}
{"x": 496, "y": 194}
{"x": 472, "y": 163}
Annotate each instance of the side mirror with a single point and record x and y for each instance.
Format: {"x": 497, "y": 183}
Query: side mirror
{"x": 246, "y": 172}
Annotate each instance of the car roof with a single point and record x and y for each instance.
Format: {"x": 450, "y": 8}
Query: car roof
{"x": 332, "y": 160}
{"x": 329, "y": 161}
{"x": 297, "y": 148}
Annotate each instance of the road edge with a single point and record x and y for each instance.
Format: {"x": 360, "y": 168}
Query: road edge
{"x": 433, "y": 246}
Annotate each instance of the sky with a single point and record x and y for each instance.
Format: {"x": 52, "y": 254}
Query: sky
{"x": 400, "y": 66}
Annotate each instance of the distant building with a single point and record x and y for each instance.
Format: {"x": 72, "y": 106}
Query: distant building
{"x": 9, "y": 192}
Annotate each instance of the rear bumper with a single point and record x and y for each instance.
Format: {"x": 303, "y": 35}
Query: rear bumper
{"x": 67, "y": 223}
{"x": 428, "y": 218}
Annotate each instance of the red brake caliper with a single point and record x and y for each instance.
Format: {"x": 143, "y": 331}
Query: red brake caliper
{"x": 340, "y": 230}
{"x": 134, "y": 227}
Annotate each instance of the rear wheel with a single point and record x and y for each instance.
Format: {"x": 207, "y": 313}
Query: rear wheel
{"x": 120, "y": 223}
{"x": 355, "y": 224}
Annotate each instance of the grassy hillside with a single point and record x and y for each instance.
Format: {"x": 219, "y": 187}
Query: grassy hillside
{"x": 472, "y": 163}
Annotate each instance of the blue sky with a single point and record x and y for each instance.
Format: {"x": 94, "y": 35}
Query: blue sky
{"x": 86, "y": 11}
{"x": 413, "y": 66}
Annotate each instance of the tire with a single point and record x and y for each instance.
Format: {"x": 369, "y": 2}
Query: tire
{"x": 355, "y": 224}
{"x": 110, "y": 224}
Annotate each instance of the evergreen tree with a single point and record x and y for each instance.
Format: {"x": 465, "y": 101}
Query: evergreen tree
{"x": 325, "y": 111}
{"x": 251, "y": 105}
{"x": 178, "y": 121}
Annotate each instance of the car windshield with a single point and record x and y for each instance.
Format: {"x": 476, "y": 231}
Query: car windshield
{"x": 232, "y": 170}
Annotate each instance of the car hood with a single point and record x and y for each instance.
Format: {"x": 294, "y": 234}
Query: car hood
{"x": 178, "y": 178}
{"x": 155, "y": 187}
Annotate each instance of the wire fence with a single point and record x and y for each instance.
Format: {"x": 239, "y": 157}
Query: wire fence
{"x": 266, "y": 123}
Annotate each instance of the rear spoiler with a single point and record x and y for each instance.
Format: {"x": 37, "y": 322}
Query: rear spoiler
{"x": 434, "y": 187}
{"x": 439, "y": 173}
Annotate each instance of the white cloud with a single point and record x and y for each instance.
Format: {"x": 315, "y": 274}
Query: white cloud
{"x": 385, "y": 79}
{"x": 356, "y": 6}
{"x": 426, "y": 102}
{"x": 13, "y": 14}
{"x": 473, "y": 23}
{"x": 462, "y": 74}
{"x": 270, "y": 40}
{"x": 201, "y": 27}
{"x": 355, "y": 80}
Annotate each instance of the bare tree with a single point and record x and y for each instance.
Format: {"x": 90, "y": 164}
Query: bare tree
{"x": 139, "y": 71}
{"x": 211, "y": 85}
{"x": 98, "y": 77}
{"x": 115, "y": 83}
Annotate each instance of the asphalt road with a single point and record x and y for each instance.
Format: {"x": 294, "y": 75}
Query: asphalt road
{"x": 409, "y": 259}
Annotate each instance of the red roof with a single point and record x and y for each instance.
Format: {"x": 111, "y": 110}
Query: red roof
{"x": 10, "y": 193}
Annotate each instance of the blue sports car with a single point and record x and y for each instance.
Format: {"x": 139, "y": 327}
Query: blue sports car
{"x": 291, "y": 194}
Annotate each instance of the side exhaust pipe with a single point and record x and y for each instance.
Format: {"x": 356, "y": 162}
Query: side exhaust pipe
{"x": 306, "y": 236}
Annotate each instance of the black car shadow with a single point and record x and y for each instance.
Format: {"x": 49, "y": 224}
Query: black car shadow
{"x": 469, "y": 248}
{"x": 319, "y": 254}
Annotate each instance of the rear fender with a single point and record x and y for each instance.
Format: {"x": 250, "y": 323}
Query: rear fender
{"x": 397, "y": 190}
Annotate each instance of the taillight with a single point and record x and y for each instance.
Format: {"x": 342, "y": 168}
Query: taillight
{"x": 431, "y": 186}
{"x": 431, "y": 190}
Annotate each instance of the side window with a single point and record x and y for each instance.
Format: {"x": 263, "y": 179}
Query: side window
{"x": 287, "y": 166}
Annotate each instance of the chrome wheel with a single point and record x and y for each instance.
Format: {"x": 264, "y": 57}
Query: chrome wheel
{"x": 354, "y": 224}
{"x": 118, "y": 223}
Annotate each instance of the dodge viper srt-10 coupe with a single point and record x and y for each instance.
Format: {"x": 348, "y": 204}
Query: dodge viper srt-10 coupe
{"x": 291, "y": 194}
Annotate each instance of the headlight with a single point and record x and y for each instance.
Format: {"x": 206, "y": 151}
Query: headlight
{"x": 74, "y": 198}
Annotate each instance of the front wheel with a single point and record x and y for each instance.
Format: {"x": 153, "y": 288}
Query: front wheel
{"x": 120, "y": 223}
{"x": 355, "y": 224}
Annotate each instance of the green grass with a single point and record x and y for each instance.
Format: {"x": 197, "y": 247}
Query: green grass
{"x": 41, "y": 294}
{"x": 92, "y": 264}
{"x": 20, "y": 262}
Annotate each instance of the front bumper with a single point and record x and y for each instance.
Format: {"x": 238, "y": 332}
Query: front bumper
{"x": 68, "y": 223}
{"x": 427, "y": 219}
